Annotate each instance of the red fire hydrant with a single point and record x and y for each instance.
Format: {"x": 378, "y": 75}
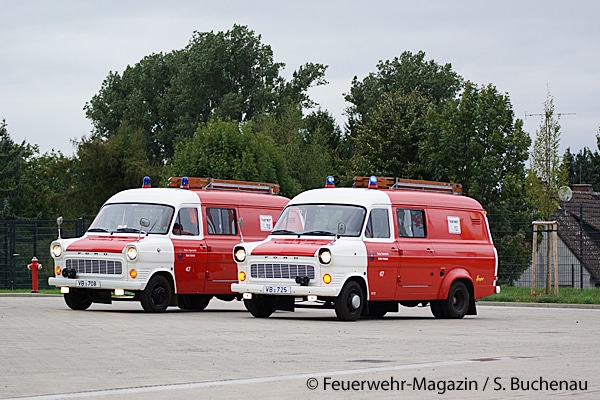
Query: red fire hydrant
{"x": 34, "y": 267}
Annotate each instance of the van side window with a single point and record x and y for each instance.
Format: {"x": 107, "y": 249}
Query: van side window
{"x": 411, "y": 223}
{"x": 221, "y": 221}
{"x": 186, "y": 222}
{"x": 378, "y": 225}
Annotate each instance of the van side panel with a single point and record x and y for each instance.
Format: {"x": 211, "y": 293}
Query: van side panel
{"x": 461, "y": 239}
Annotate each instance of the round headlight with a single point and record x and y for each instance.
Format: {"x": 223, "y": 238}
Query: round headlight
{"x": 131, "y": 252}
{"x": 324, "y": 256}
{"x": 239, "y": 253}
{"x": 56, "y": 250}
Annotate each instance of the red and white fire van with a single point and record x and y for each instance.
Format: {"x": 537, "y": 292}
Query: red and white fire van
{"x": 364, "y": 250}
{"x": 165, "y": 246}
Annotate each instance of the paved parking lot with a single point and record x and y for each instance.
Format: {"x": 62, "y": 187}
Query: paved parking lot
{"x": 48, "y": 351}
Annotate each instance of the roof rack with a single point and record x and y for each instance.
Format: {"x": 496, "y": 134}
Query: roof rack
{"x": 384, "y": 182}
{"x": 225, "y": 184}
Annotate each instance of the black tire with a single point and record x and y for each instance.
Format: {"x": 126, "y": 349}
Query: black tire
{"x": 436, "y": 309}
{"x": 377, "y": 309}
{"x": 157, "y": 295}
{"x": 457, "y": 303}
{"x": 350, "y": 302}
{"x": 261, "y": 306}
{"x": 78, "y": 299}
{"x": 196, "y": 302}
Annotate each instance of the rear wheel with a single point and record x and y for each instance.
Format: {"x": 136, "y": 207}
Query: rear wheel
{"x": 157, "y": 295}
{"x": 261, "y": 306}
{"x": 78, "y": 299}
{"x": 377, "y": 309}
{"x": 457, "y": 303}
{"x": 350, "y": 301}
{"x": 197, "y": 302}
{"x": 436, "y": 309}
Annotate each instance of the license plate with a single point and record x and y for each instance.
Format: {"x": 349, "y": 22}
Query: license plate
{"x": 277, "y": 289}
{"x": 88, "y": 283}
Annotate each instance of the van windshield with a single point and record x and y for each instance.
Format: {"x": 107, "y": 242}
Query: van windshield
{"x": 321, "y": 219}
{"x": 126, "y": 217}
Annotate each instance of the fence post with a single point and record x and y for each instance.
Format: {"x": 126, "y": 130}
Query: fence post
{"x": 581, "y": 245}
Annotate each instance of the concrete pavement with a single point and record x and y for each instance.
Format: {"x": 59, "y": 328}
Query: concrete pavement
{"x": 117, "y": 351}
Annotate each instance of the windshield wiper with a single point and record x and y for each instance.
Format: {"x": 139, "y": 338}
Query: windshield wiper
{"x": 128, "y": 230}
{"x": 284, "y": 232}
{"x": 98, "y": 230}
{"x": 319, "y": 233}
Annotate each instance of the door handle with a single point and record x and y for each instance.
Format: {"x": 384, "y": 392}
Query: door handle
{"x": 429, "y": 250}
{"x": 397, "y": 250}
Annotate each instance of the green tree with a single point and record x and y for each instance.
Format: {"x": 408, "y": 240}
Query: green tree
{"x": 230, "y": 150}
{"x": 387, "y": 143}
{"x": 229, "y": 75}
{"x": 477, "y": 141}
{"x": 103, "y": 167}
{"x": 584, "y": 167}
{"x": 401, "y": 76}
{"x": 13, "y": 162}
{"x": 547, "y": 173}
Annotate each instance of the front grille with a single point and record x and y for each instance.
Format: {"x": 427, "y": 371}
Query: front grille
{"x": 86, "y": 266}
{"x": 282, "y": 271}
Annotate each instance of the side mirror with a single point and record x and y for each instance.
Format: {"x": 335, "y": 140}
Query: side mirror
{"x": 341, "y": 228}
{"x": 59, "y": 222}
{"x": 240, "y": 223}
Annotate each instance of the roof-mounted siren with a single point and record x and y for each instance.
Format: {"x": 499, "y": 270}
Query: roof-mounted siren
{"x": 146, "y": 182}
{"x": 565, "y": 194}
{"x": 185, "y": 183}
{"x": 329, "y": 182}
{"x": 372, "y": 182}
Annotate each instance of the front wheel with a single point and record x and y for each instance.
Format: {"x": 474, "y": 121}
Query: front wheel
{"x": 457, "y": 303}
{"x": 350, "y": 301}
{"x": 78, "y": 299}
{"x": 261, "y": 306}
{"x": 157, "y": 295}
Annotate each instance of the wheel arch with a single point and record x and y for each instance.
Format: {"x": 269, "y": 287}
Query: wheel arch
{"x": 462, "y": 275}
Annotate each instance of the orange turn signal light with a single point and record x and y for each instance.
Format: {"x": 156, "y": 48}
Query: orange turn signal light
{"x": 241, "y": 276}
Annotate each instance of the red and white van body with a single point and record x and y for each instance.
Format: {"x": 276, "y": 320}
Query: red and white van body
{"x": 161, "y": 263}
{"x": 396, "y": 246}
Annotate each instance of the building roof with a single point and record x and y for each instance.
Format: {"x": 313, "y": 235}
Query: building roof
{"x": 579, "y": 227}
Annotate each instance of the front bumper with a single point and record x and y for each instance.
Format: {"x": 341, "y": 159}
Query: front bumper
{"x": 299, "y": 291}
{"x": 83, "y": 283}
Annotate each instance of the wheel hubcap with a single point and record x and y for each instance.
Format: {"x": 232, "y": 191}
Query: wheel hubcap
{"x": 354, "y": 301}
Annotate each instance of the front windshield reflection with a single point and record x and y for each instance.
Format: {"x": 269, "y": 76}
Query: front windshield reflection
{"x": 321, "y": 219}
{"x": 125, "y": 217}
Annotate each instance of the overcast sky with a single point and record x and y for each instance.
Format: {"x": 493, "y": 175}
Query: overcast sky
{"x": 54, "y": 55}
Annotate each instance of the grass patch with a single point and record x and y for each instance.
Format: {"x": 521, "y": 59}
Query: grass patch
{"x": 565, "y": 295}
{"x": 44, "y": 291}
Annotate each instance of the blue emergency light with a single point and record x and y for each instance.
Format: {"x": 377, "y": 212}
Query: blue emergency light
{"x": 146, "y": 183}
{"x": 372, "y": 182}
{"x": 185, "y": 184}
{"x": 329, "y": 182}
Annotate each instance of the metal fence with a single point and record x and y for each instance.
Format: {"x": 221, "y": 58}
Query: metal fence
{"x": 20, "y": 241}
{"x": 578, "y": 250}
